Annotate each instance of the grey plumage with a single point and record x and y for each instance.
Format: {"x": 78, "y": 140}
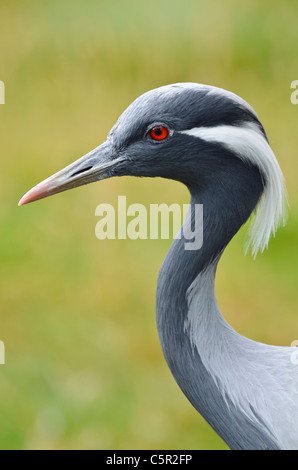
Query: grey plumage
{"x": 216, "y": 145}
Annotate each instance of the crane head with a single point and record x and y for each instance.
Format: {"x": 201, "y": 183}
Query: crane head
{"x": 202, "y": 136}
{"x": 149, "y": 138}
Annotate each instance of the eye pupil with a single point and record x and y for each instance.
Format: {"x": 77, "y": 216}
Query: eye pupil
{"x": 159, "y": 133}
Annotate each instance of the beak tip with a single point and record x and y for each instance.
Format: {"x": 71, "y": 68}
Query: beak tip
{"x": 64, "y": 179}
{"x": 22, "y": 201}
{"x": 38, "y": 192}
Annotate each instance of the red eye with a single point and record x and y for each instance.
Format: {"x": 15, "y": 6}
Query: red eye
{"x": 159, "y": 133}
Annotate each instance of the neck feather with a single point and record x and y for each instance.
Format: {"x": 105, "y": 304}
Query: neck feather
{"x": 190, "y": 326}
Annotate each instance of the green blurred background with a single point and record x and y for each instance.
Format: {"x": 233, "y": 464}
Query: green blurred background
{"x": 84, "y": 368}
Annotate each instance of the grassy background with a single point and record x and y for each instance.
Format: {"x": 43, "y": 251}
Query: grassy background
{"x": 84, "y": 368}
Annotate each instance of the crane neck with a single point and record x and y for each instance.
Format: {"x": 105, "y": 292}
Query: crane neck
{"x": 191, "y": 328}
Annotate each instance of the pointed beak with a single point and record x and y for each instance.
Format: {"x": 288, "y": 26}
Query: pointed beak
{"x": 94, "y": 166}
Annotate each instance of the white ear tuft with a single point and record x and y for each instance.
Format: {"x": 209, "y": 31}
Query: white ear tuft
{"x": 271, "y": 210}
{"x": 249, "y": 143}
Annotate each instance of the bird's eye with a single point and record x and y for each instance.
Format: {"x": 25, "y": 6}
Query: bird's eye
{"x": 159, "y": 132}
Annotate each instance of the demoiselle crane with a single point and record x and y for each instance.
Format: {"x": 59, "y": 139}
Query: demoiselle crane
{"x": 212, "y": 141}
